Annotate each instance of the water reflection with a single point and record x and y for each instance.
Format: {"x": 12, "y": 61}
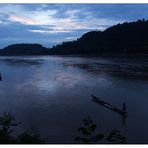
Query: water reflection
{"x": 35, "y": 84}
{"x": 23, "y": 62}
{"x": 129, "y": 71}
{"x": 69, "y": 80}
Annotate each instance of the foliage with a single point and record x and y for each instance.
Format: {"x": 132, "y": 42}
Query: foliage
{"x": 7, "y": 125}
{"x": 30, "y": 136}
{"x": 88, "y": 132}
{"x": 115, "y": 136}
{"x": 89, "y": 135}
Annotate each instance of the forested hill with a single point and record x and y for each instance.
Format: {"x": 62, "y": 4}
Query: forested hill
{"x": 121, "y": 38}
{"x": 126, "y": 38}
{"x": 24, "y": 49}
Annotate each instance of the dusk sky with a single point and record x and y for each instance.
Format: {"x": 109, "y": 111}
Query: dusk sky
{"x": 50, "y": 24}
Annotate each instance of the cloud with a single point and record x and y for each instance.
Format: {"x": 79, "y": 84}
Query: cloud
{"x": 48, "y": 23}
{"x": 71, "y": 38}
{"x": 49, "y": 31}
{"x": 69, "y": 20}
{"x": 73, "y": 13}
{"x": 24, "y": 20}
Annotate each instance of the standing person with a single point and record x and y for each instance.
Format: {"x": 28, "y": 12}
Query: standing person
{"x": 0, "y": 77}
{"x": 124, "y": 106}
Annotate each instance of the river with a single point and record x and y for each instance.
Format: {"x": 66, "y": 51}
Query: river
{"x": 53, "y": 94}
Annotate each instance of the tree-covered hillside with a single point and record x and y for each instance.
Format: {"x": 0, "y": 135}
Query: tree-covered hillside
{"x": 126, "y": 38}
{"x": 121, "y": 38}
{"x": 24, "y": 49}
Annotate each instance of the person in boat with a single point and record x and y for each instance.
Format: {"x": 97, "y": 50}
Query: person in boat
{"x": 124, "y": 106}
{"x": 0, "y": 77}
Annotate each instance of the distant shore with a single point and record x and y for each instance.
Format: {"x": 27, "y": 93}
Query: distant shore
{"x": 86, "y": 55}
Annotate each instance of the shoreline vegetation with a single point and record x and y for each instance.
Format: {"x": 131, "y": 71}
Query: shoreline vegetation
{"x": 122, "y": 40}
{"x": 87, "y": 133}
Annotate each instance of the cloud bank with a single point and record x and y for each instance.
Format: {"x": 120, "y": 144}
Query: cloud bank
{"x": 51, "y": 23}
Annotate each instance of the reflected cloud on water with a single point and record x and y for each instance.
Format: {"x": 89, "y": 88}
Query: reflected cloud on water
{"x": 22, "y": 61}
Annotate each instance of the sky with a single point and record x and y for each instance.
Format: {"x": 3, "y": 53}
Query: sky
{"x": 51, "y": 24}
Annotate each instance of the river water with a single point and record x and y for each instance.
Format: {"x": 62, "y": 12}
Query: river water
{"x": 53, "y": 95}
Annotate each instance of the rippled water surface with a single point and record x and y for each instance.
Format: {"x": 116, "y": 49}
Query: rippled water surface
{"x": 53, "y": 94}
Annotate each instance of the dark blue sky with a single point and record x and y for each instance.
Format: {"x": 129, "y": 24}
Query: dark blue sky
{"x": 50, "y": 24}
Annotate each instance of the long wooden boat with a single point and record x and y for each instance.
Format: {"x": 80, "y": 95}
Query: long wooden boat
{"x": 109, "y": 106}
